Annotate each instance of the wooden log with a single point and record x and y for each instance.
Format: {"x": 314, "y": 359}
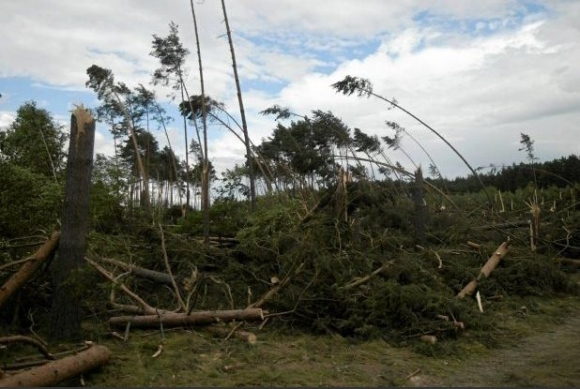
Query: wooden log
{"x": 360, "y": 281}
{"x": 514, "y": 224}
{"x": 474, "y": 245}
{"x": 152, "y": 275}
{"x": 27, "y": 270}
{"x": 183, "y": 319}
{"x": 486, "y": 270}
{"x": 226, "y": 332}
{"x": 29, "y": 340}
{"x": 146, "y": 308}
{"x": 568, "y": 261}
{"x": 272, "y": 292}
{"x": 54, "y": 372}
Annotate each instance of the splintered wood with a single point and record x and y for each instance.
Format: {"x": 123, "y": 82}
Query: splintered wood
{"x": 486, "y": 270}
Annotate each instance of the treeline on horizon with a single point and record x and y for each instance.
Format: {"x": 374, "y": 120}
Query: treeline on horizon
{"x": 560, "y": 172}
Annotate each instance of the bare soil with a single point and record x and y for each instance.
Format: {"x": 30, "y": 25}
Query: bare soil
{"x": 548, "y": 358}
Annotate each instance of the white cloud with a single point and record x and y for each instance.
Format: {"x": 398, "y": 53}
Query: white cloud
{"x": 479, "y": 72}
{"x": 6, "y": 118}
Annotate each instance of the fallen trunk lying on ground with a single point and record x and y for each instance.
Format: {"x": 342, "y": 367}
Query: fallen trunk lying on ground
{"x": 486, "y": 270}
{"x": 152, "y": 275}
{"x": 54, "y": 372}
{"x": 29, "y": 340}
{"x": 226, "y": 332}
{"x": 183, "y": 319}
{"x": 27, "y": 270}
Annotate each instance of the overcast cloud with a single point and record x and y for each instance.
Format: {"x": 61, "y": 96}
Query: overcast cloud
{"x": 478, "y": 72}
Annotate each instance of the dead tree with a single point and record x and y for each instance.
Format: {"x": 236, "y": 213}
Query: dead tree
{"x": 486, "y": 270}
{"x": 242, "y": 113}
{"x": 66, "y": 313}
{"x": 27, "y": 270}
{"x": 183, "y": 319}
{"x": 54, "y": 372}
{"x": 420, "y": 215}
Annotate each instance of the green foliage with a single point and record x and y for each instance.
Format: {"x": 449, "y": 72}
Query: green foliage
{"x": 267, "y": 230}
{"x": 227, "y": 218}
{"x": 108, "y": 194}
{"x": 29, "y": 202}
{"x": 171, "y": 54}
{"x": 34, "y": 141}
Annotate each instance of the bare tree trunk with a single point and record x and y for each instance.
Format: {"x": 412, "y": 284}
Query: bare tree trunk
{"x": 242, "y": 114}
{"x": 27, "y": 270}
{"x": 183, "y": 319}
{"x": 54, "y": 372}
{"x": 205, "y": 168}
{"x": 145, "y": 200}
{"x": 486, "y": 270}
{"x": 187, "y": 195}
{"x": 152, "y": 275}
{"x": 420, "y": 216}
{"x": 66, "y": 301}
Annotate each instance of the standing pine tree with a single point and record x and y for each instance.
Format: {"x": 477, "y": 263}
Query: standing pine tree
{"x": 250, "y": 163}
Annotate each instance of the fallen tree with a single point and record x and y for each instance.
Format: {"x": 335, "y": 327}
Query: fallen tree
{"x": 486, "y": 270}
{"x": 27, "y": 270}
{"x": 152, "y": 275}
{"x": 26, "y": 339}
{"x": 183, "y": 319}
{"x": 226, "y": 333}
{"x": 54, "y": 372}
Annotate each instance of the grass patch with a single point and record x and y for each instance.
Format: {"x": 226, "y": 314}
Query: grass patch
{"x": 193, "y": 357}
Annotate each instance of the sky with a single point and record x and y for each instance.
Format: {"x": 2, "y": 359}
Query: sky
{"x": 479, "y": 72}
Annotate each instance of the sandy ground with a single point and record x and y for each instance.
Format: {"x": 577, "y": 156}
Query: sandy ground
{"x": 551, "y": 357}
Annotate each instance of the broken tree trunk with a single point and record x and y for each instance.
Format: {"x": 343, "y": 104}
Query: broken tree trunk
{"x": 152, "y": 275}
{"x": 29, "y": 340}
{"x": 226, "y": 332}
{"x": 486, "y": 270}
{"x": 568, "y": 261}
{"x": 54, "y": 372}
{"x": 420, "y": 208}
{"x": 360, "y": 281}
{"x": 183, "y": 319}
{"x": 272, "y": 292}
{"x": 143, "y": 306}
{"x": 27, "y": 270}
{"x": 65, "y": 320}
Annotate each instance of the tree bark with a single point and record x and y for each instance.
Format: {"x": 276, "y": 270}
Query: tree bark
{"x": 27, "y": 270}
{"x": 226, "y": 332}
{"x": 242, "y": 114}
{"x": 486, "y": 270}
{"x": 420, "y": 215}
{"x": 568, "y": 261}
{"x": 52, "y": 373}
{"x": 29, "y": 340}
{"x": 65, "y": 321}
{"x": 183, "y": 319}
{"x": 205, "y": 166}
{"x": 152, "y": 275}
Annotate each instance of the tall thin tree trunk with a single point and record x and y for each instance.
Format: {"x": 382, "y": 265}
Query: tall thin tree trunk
{"x": 420, "y": 209}
{"x": 145, "y": 199}
{"x": 66, "y": 303}
{"x": 205, "y": 167}
{"x": 242, "y": 113}
{"x": 187, "y": 196}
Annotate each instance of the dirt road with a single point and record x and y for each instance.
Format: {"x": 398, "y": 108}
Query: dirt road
{"x": 551, "y": 357}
